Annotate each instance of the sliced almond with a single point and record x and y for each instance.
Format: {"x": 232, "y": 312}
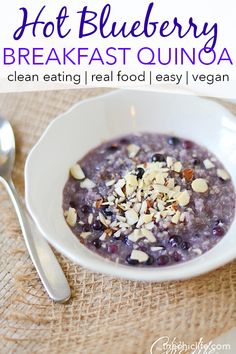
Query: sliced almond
{"x": 120, "y": 183}
{"x": 160, "y": 205}
{"x": 162, "y": 189}
{"x": 122, "y": 207}
{"x": 129, "y": 190}
{"x": 157, "y": 217}
{"x": 131, "y": 216}
{"x": 88, "y": 184}
{"x": 140, "y": 221}
{"x": 131, "y": 184}
{"x": 124, "y": 226}
{"x": 164, "y": 213}
{"x": 148, "y": 235}
{"x": 143, "y": 209}
{"x": 170, "y": 183}
{"x": 137, "y": 207}
{"x": 135, "y": 235}
{"x": 176, "y": 217}
{"x": 71, "y": 217}
{"x": 160, "y": 178}
{"x": 157, "y": 248}
{"x": 103, "y": 220}
{"x": 121, "y": 218}
{"x": 200, "y": 185}
{"x": 177, "y": 166}
{"x": 119, "y": 192}
{"x": 110, "y": 183}
{"x": 77, "y": 172}
{"x": 139, "y": 195}
{"x": 147, "y": 218}
{"x": 139, "y": 256}
{"x": 149, "y": 226}
{"x": 111, "y": 199}
{"x": 90, "y": 218}
{"x": 103, "y": 236}
{"x": 131, "y": 180}
{"x": 223, "y": 174}
{"x": 144, "y": 219}
{"x": 118, "y": 188}
{"x": 133, "y": 150}
{"x": 183, "y": 198}
{"x": 98, "y": 203}
{"x": 197, "y": 251}
{"x": 169, "y": 161}
{"x": 117, "y": 234}
{"x": 148, "y": 177}
{"x": 177, "y": 188}
{"x": 109, "y": 232}
{"x": 171, "y": 212}
{"x": 208, "y": 164}
{"x": 85, "y": 234}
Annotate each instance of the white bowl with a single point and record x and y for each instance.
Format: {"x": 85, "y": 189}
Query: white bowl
{"x": 86, "y": 125}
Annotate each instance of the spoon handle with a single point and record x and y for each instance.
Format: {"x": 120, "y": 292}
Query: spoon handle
{"x": 41, "y": 254}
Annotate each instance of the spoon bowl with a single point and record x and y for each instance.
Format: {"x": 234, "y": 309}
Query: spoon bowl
{"x": 40, "y": 252}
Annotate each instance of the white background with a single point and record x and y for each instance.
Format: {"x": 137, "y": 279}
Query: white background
{"x": 202, "y": 11}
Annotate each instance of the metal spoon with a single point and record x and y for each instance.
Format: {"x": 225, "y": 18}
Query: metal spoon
{"x": 40, "y": 252}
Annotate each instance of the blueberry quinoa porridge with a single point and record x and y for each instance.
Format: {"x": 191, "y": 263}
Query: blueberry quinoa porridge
{"x": 149, "y": 200}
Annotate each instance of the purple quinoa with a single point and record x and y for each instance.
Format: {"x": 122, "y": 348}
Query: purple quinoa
{"x": 149, "y": 200}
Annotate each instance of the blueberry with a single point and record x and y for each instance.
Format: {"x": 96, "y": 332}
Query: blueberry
{"x": 112, "y": 248}
{"x": 113, "y": 148}
{"x": 108, "y": 212}
{"x": 176, "y": 256}
{"x": 173, "y": 141}
{"x": 175, "y": 240}
{"x": 105, "y": 211}
{"x": 218, "y": 231}
{"x": 187, "y": 144}
{"x": 124, "y": 141}
{"x": 139, "y": 172}
{"x": 85, "y": 209}
{"x": 72, "y": 204}
{"x": 185, "y": 246}
{"x": 219, "y": 222}
{"x": 125, "y": 239}
{"x": 97, "y": 243}
{"x": 150, "y": 260}
{"x": 131, "y": 261}
{"x": 158, "y": 158}
{"x": 142, "y": 246}
{"x": 97, "y": 225}
{"x": 86, "y": 227}
{"x": 163, "y": 260}
{"x": 196, "y": 162}
{"x": 222, "y": 180}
